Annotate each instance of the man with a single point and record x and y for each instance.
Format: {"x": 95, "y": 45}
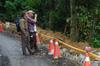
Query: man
{"x": 24, "y": 34}
{"x": 32, "y": 19}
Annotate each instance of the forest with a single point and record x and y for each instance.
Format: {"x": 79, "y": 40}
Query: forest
{"x": 77, "y": 19}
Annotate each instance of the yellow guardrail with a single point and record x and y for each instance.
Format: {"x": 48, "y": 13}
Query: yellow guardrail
{"x": 93, "y": 56}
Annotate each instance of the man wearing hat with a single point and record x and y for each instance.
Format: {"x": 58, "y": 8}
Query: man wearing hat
{"x": 24, "y": 34}
{"x": 32, "y": 19}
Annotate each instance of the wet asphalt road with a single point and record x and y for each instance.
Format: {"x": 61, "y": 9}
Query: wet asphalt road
{"x": 11, "y": 49}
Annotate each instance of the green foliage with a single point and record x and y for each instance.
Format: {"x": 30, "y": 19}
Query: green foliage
{"x": 33, "y": 3}
{"x": 96, "y": 38}
{"x": 84, "y": 22}
{"x": 2, "y": 16}
{"x": 53, "y": 15}
{"x": 10, "y": 9}
{"x": 9, "y": 6}
{"x": 96, "y": 42}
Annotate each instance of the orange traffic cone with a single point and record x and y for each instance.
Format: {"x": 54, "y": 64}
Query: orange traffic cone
{"x": 37, "y": 39}
{"x": 57, "y": 52}
{"x": 87, "y": 60}
{"x": 51, "y": 47}
{"x": 1, "y": 27}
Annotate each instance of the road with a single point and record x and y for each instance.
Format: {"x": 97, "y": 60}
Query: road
{"x": 11, "y": 49}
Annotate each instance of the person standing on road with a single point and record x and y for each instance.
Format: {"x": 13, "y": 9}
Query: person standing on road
{"x": 32, "y": 19}
{"x": 24, "y": 34}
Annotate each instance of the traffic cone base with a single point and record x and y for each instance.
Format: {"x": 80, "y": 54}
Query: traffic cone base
{"x": 51, "y": 53}
{"x": 56, "y": 57}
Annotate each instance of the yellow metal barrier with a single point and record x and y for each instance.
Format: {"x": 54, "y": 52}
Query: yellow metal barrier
{"x": 93, "y": 56}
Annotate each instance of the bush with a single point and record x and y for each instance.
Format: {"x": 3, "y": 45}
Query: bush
{"x": 96, "y": 39}
{"x": 96, "y": 42}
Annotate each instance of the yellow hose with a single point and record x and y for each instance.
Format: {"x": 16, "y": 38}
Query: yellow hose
{"x": 94, "y": 56}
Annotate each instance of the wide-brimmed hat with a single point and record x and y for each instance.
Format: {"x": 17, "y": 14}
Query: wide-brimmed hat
{"x": 30, "y": 11}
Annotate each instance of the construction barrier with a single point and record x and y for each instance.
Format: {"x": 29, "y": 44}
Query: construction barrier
{"x": 93, "y": 56}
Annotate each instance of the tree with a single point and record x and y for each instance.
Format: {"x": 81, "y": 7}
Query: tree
{"x": 83, "y": 18}
{"x": 73, "y": 25}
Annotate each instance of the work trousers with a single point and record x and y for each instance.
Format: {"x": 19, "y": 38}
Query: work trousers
{"x": 33, "y": 41}
{"x": 25, "y": 44}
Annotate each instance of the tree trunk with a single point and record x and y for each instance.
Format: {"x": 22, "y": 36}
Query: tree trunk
{"x": 73, "y": 24}
{"x": 50, "y": 20}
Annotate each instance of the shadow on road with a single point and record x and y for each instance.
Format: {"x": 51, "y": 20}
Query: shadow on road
{"x": 4, "y": 60}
